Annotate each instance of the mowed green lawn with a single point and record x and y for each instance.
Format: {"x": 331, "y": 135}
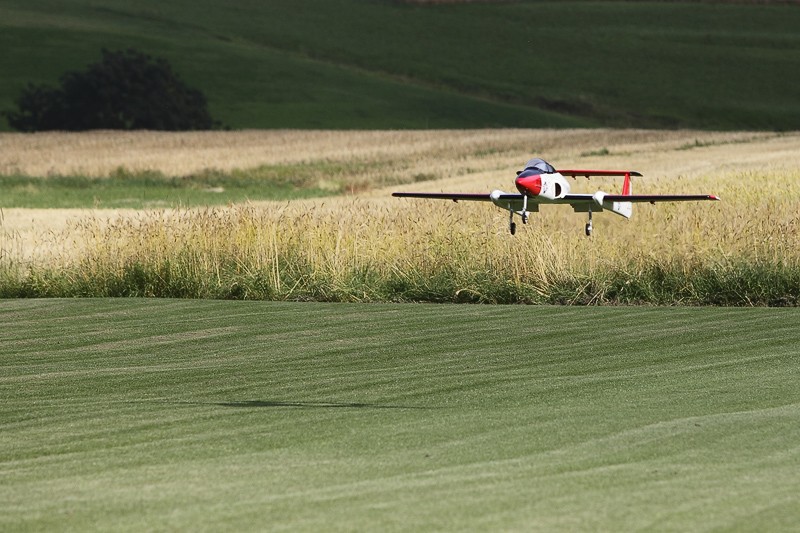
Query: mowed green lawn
{"x": 215, "y": 415}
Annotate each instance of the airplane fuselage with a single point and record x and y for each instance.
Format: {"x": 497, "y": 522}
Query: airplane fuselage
{"x": 536, "y": 185}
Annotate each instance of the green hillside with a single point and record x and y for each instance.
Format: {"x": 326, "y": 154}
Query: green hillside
{"x": 388, "y": 64}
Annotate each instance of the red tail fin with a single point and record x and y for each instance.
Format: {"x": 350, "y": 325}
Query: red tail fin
{"x": 626, "y": 185}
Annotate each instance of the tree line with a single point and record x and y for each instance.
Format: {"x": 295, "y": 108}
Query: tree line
{"x": 125, "y": 90}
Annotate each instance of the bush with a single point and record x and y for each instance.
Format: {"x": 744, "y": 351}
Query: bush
{"x": 126, "y": 90}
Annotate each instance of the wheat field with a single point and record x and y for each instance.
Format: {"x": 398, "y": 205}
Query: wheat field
{"x": 368, "y": 246}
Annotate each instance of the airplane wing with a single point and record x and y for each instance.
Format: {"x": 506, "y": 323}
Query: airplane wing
{"x": 577, "y": 199}
{"x": 653, "y": 198}
{"x": 571, "y": 199}
{"x": 477, "y": 197}
{"x": 622, "y": 204}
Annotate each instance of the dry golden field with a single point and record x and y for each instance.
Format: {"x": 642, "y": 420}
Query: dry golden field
{"x": 100, "y": 153}
{"x": 298, "y": 243}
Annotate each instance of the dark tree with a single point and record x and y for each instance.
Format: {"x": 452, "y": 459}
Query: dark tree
{"x": 126, "y": 90}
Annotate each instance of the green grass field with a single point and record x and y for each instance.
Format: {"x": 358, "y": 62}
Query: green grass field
{"x": 387, "y": 64}
{"x": 152, "y": 189}
{"x": 212, "y": 415}
{"x": 142, "y": 191}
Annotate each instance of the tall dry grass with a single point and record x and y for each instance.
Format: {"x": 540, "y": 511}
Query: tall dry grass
{"x": 742, "y": 251}
{"x": 418, "y": 251}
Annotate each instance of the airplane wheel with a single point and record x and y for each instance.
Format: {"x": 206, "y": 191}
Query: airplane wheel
{"x": 525, "y": 218}
{"x": 513, "y": 228}
{"x": 589, "y": 230}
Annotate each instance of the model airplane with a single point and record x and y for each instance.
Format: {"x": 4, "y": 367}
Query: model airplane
{"x": 539, "y": 183}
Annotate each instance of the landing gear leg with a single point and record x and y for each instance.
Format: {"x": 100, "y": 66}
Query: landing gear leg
{"x": 589, "y": 224}
{"x": 525, "y": 209}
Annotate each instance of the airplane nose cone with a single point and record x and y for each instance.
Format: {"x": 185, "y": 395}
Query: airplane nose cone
{"x": 530, "y": 185}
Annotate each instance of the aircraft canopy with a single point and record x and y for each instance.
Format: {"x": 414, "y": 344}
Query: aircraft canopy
{"x": 539, "y": 165}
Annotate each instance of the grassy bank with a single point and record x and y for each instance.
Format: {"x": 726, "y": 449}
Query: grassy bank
{"x": 186, "y": 415}
{"x": 737, "y": 283}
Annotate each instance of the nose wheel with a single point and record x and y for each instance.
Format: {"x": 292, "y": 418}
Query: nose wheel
{"x": 512, "y": 226}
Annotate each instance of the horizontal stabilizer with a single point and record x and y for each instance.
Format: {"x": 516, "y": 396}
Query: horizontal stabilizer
{"x": 589, "y": 173}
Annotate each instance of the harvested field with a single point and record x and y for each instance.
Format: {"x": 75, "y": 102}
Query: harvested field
{"x": 369, "y": 246}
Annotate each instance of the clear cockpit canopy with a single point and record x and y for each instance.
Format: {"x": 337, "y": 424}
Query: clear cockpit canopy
{"x": 539, "y": 165}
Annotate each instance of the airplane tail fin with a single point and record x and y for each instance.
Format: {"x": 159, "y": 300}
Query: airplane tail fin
{"x": 624, "y": 209}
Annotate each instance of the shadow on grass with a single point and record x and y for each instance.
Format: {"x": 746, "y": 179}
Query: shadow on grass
{"x": 253, "y": 404}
